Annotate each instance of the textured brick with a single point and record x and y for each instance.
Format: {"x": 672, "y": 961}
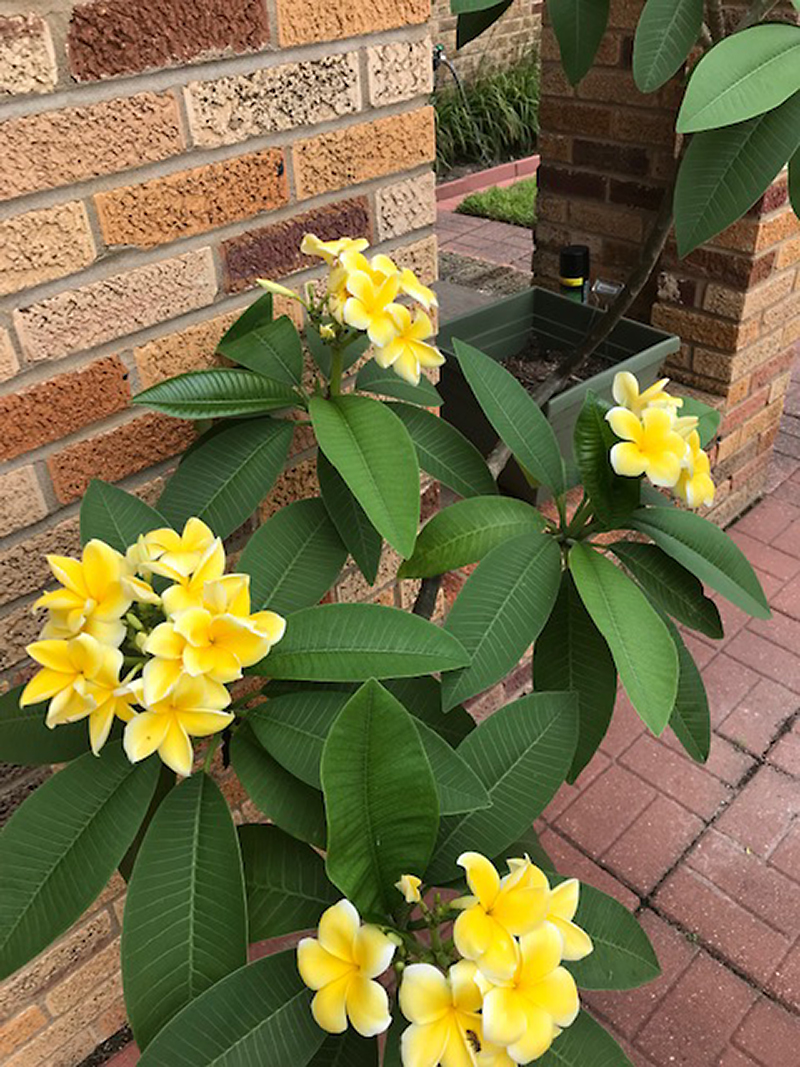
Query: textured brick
{"x": 652, "y": 845}
{"x": 20, "y": 1029}
{"x": 420, "y": 256}
{"x": 61, "y": 405}
{"x": 788, "y": 254}
{"x": 193, "y": 201}
{"x": 9, "y": 364}
{"x": 571, "y": 182}
{"x": 770, "y": 1034}
{"x": 296, "y": 483}
{"x": 756, "y": 720}
{"x": 642, "y": 127}
{"x": 693, "y": 326}
{"x": 605, "y": 157}
{"x": 273, "y": 251}
{"x": 399, "y": 71}
{"x": 602, "y": 218}
{"x": 119, "y": 305}
{"x": 42, "y": 245}
{"x": 566, "y": 116}
{"x": 23, "y": 502}
{"x": 190, "y": 349}
{"x": 368, "y": 150}
{"x": 23, "y": 567}
{"x": 676, "y": 775}
{"x": 232, "y": 109}
{"x": 762, "y": 813}
{"x": 606, "y": 809}
{"x": 406, "y": 205}
{"x": 49, "y": 149}
{"x": 116, "y": 454}
{"x": 110, "y": 37}
{"x": 27, "y": 59}
{"x": 103, "y": 965}
{"x": 303, "y": 21}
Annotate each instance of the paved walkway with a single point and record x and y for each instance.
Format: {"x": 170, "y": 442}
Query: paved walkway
{"x": 493, "y": 242}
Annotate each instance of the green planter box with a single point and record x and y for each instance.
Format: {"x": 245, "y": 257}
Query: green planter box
{"x": 504, "y": 329}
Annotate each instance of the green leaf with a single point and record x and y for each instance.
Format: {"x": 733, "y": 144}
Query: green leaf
{"x": 362, "y": 540}
{"x": 166, "y": 782}
{"x": 293, "y": 558}
{"x": 501, "y": 610}
{"x": 272, "y": 349}
{"x": 116, "y": 517}
{"x": 521, "y": 754}
{"x": 371, "y": 450}
{"x": 288, "y": 802}
{"x": 670, "y": 585}
{"x": 584, "y": 1042}
{"x": 708, "y": 419}
{"x": 374, "y": 379}
{"x": 347, "y": 1050}
{"x": 572, "y": 655}
{"x": 579, "y": 26}
{"x": 287, "y": 888}
{"x": 260, "y": 1014}
{"x": 185, "y": 914}
{"x": 422, "y": 697}
{"x": 321, "y": 351}
{"x": 516, "y": 417}
{"x": 27, "y": 742}
{"x": 258, "y": 314}
{"x": 458, "y": 787}
{"x": 708, "y": 552}
{"x": 59, "y": 849}
{"x": 466, "y": 531}
{"x": 725, "y": 171}
{"x": 614, "y": 499}
{"x": 392, "y": 1056}
{"x": 666, "y": 33}
{"x": 527, "y": 843}
{"x": 623, "y": 957}
{"x": 640, "y": 643}
{"x": 741, "y": 77}
{"x": 794, "y": 182}
{"x": 353, "y": 642}
{"x": 476, "y": 16}
{"x": 223, "y": 480}
{"x": 445, "y": 453}
{"x": 690, "y": 720}
{"x": 380, "y": 799}
{"x": 218, "y": 393}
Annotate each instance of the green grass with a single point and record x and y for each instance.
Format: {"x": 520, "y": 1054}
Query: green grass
{"x": 499, "y": 120}
{"x": 514, "y": 203}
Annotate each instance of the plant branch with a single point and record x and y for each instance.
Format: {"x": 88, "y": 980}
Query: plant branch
{"x": 716, "y": 19}
{"x": 426, "y": 597}
{"x": 755, "y": 13}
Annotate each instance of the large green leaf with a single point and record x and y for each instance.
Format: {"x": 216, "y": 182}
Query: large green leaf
{"x": 579, "y": 26}
{"x": 516, "y": 417}
{"x": 60, "y": 848}
{"x": 223, "y": 480}
{"x": 476, "y": 16}
{"x": 116, "y": 517}
{"x": 623, "y": 957}
{"x": 362, "y": 540}
{"x": 185, "y": 914}
{"x": 258, "y": 314}
{"x": 794, "y": 182}
{"x": 347, "y": 1050}
{"x": 522, "y": 754}
{"x": 272, "y": 349}
{"x": 666, "y": 33}
{"x": 613, "y": 498}
{"x": 371, "y": 449}
{"x": 584, "y": 1042}
{"x": 445, "y": 453}
{"x": 458, "y": 786}
{"x": 384, "y": 382}
{"x": 380, "y": 798}
{"x": 218, "y": 393}
{"x": 260, "y": 1014}
{"x": 423, "y": 698}
{"x": 640, "y": 642}
{"x": 26, "y": 741}
{"x": 527, "y": 843}
{"x": 571, "y": 654}
{"x": 288, "y": 802}
{"x": 466, "y": 531}
{"x": 165, "y": 784}
{"x": 287, "y": 888}
{"x": 741, "y": 77}
{"x": 725, "y": 171}
{"x": 501, "y": 610}
{"x": 294, "y": 558}
{"x": 690, "y": 720}
{"x": 707, "y": 552}
{"x": 353, "y": 642}
{"x": 671, "y": 585}
{"x": 708, "y": 419}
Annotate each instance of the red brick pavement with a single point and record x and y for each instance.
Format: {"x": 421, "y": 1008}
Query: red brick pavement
{"x": 492, "y": 242}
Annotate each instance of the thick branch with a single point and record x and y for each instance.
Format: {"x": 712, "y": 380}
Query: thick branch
{"x": 716, "y": 19}
{"x": 426, "y": 597}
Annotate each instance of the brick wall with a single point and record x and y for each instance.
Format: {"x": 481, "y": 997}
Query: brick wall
{"x": 607, "y": 155}
{"x": 156, "y": 156}
{"x": 513, "y": 36}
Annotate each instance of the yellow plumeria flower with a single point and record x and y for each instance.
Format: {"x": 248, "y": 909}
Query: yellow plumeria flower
{"x": 187, "y": 592}
{"x": 493, "y": 1056}
{"x": 194, "y": 708}
{"x": 279, "y": 290}
{"x": 498, "y": 911}
{"x": 411, "y": 286}
{"x": 367, "y": 307}
{"x": 526, "y": 1013}
{"x": 341, "y": 965}
{"x": 562, "y": 903}
{"x": 311, "y": 245}
{"x": 178, "y": 554}
{"x": 443, "y": 1012}
{"x": 68, "y": 669}
{"x": 695, "y": 485}
{"x": 407, "y": 351}
{"x": 649, "y": 446}
{"x": 626, "y": 393}
{"x": 163, "y": 672}
{"x": 409, "y": 886}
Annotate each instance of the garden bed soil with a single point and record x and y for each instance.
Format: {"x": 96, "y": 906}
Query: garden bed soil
{"x": 533, "y": 366}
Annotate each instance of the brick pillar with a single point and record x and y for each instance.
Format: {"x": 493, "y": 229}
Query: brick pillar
{"x": 607, "y": 154}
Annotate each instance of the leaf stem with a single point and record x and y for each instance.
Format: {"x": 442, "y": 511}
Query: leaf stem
{"x": 336, "y": 370}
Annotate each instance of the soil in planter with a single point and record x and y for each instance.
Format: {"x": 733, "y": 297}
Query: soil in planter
{"x": 534, "y": 364}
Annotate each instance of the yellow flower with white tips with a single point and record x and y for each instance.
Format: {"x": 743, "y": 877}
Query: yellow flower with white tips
{"x": 409, "y": 886}
{"x": 498, "y": 910}
{"x": 341, "y": 965}
{"x": 187, "y": 592}
{"x": 410, "y": 285}
{"x": 695, "y": 485}
{"x": 194, "y": 708}
{"x": 408, "y": 351}
{"x": 311, "y": 245}
{"x": 626, "y": 393}
{"x": 649, "y": 446}
{"x": 163, "y": 672}
{"x": 562, "y": 903}
{"x": 525, "y": 1014}
{"x": 67, "y": 669}
{"x": 443, "y": 1012}
{"x": 177, "y": 554}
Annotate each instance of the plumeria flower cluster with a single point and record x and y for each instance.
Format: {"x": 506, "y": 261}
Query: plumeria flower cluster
{"x": 658, "y": 442}
{"x": 114, "y": 648}
{"x": 495, "y": 995}
{"x": 364, "y": 294}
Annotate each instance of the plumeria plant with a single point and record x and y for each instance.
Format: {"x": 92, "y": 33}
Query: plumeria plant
{"x": 389, "y": 813}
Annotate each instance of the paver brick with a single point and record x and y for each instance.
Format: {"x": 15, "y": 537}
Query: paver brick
{"x": 304, "y": 21}
{"x": 768, "y": 659}
{"x": 757, "y": 719}
{"x": 785, "y": 982}
{"x": 574, "y": 864}
{"x": 727, "y": 682}
{"x": 768, "y": 519}
{"x": 27, "y": 58}
{"x": 644, "y": 853}
{"x": 766, "y": 557}
{"x": 673, "y": 773}
{"x": 399, "y": 70}
{"x": 762, "y": 813}
{"x": 23, "y": 500}
{"x": 770, "y": 1034}
{"x": 625, "y": 727}
{"x": 605, "y": 810}
{"x": 41, "y": 245}
{"x": 786, "y": 754}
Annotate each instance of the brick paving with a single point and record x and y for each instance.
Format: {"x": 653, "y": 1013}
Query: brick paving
{"x": 483, "y": 239}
